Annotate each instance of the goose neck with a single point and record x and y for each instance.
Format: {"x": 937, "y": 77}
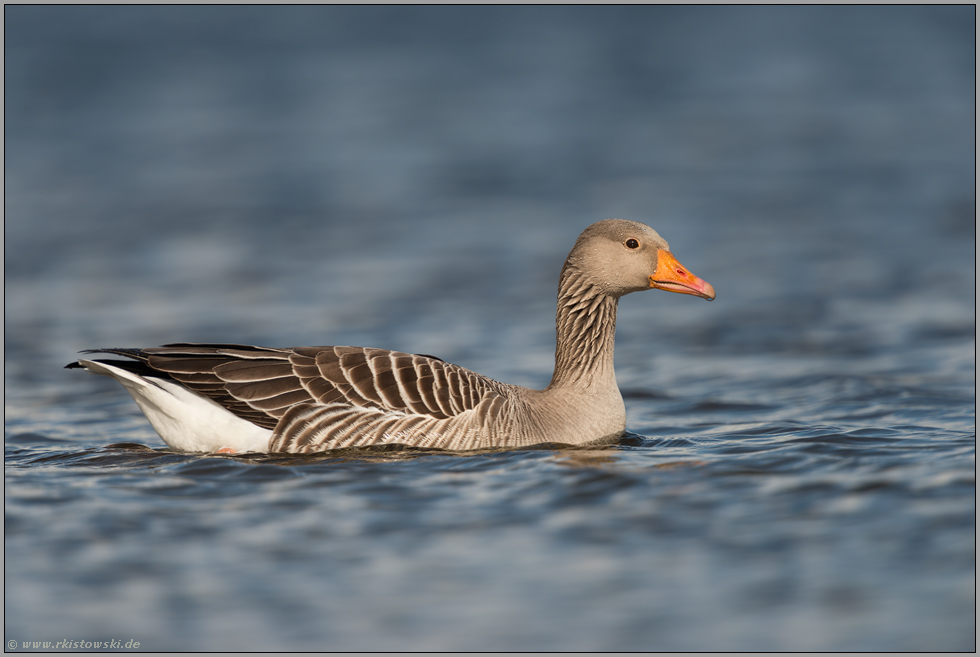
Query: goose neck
{"x": 586, "y": 331}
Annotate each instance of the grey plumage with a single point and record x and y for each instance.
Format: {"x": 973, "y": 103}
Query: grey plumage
{"x": 319, "y": 398}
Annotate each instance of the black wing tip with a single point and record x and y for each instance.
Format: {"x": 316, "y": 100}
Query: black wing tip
{"x": 136, "y": 354}
{"x": 218, "y": 345}
{"x": 120, "y": 351}
{"x": 135, "y": 366}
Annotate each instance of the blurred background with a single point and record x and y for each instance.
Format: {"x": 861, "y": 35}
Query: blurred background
{"x": 312, "y": 175}
{"x": 412, "y": 178}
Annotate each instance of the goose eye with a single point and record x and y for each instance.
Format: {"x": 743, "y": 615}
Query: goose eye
{"x": 632, "y": 244}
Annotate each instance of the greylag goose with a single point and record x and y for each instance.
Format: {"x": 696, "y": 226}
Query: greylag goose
{"x": 230, "y": 398}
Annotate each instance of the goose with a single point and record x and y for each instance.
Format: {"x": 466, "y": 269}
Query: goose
{"x": 235, "y": 399}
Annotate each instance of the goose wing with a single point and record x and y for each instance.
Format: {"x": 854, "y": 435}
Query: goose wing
{"x": 263, "y": 384}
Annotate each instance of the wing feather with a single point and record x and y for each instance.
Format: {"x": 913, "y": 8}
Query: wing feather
{"x": 255, "y": 370}
{"x": 360, "y": 376}
{"x": 427, "y": 388}
{"x": 185, "y": 364}
{"x": 255, "y": 391}
{"x": 441, "y": 392}
{"x": 328, "y": 363}
{"x": 317, "y": 398}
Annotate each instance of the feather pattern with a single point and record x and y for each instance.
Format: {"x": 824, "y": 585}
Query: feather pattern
{"x": 311, "y": 399}
{"x": 317, "y": 398}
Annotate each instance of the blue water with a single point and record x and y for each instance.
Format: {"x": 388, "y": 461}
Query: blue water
{"x": 800, "y": 468}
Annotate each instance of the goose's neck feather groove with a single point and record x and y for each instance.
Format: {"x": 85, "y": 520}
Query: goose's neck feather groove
{"x": 586, "y": 332}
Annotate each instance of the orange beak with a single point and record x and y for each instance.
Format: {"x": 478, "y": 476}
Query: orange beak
{"x": 674, "y": 277}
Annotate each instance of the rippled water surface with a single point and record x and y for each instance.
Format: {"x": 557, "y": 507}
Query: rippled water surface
{"x": 800, "y": 468}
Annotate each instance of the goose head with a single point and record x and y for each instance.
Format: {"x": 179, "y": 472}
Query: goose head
{"x": 619, "y": 257}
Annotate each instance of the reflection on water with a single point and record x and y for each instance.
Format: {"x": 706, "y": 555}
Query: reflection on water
{"x": 801, "y": 472}
{"x": 585, "y": 458}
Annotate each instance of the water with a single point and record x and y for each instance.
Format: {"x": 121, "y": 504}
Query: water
{"x": 800, "y": 472}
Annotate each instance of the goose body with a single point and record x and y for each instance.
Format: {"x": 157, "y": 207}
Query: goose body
{"x": 236, "y": 398}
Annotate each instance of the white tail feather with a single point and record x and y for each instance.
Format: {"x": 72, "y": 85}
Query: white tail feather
{"x": 184, "y": 419}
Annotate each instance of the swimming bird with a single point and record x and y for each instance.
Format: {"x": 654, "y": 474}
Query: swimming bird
{"x": 230, "y": 398}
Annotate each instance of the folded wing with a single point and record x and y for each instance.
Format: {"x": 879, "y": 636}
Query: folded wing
{"x": 317, "y": 398}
